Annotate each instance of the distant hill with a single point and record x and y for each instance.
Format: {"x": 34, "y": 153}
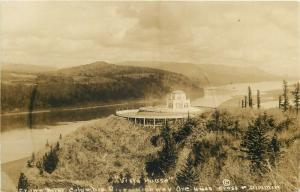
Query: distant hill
{"x": 98, "y": 82}
{"x": 102, "y": 72}
{"x": 25, "y": 68}
{"x": 210, "y": 74}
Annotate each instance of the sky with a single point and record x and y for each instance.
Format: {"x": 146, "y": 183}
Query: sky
{"x": 63, "y": 34}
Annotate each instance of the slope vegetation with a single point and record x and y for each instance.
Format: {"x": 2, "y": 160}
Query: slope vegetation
{"x": 98, "y": 82}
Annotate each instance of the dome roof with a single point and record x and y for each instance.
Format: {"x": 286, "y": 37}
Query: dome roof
{"x": 179, "y": 91}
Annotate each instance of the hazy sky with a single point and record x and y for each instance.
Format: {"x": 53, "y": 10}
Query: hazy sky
{"x": 71, "y": 33}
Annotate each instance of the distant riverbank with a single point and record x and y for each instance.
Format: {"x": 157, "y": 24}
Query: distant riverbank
{"x": 78, "y": 108}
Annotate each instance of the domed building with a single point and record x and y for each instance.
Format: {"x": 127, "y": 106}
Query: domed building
{"x": 178, "y": 101}
{"x": 178, "y": 107}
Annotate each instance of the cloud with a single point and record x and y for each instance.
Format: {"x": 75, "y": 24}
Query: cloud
{"x": 67, "y": 33}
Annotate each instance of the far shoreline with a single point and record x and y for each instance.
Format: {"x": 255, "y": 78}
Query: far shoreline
{"x": 90, "y": 106}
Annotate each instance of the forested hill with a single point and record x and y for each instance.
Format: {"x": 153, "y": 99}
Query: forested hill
{"x": 210, "y": 74}
{"x": 98, "y": 82}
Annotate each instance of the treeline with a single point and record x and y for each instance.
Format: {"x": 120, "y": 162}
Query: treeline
{"x": 248, "y": 101}
{"x": 284, "y": 101}
{"x": 59, "y": 91}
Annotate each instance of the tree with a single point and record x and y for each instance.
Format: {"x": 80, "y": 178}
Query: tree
{"x": 31, "y": 161}
{"x": 166, "y": 158}
{"x": 221, "y": 122}
{"x": 168, "y": 155}
{"x": 296, "y": 94}
{"x": 185, "y": 131}
{"x": 188, "y": 177}
{"x": 279, "y": 101}
{"x": 255, "y": 144}
{"x": 33, "y": 157}
{"x": 50, "y": 160}
{"x": 23, "y": 183}
{"x": 198, "y": 150}
{"x": 258, "y": 99}
{"x": 274, "y": 151}
{"x": 31, "y": 105}
{"x": 242, "y": 103}
{"x": 285, "y": 124}
{"x": 57, "y": 146}
{"x": 245, "y": 102}
{"x": 285, "y": 96}
{"x": 250, "y": 97}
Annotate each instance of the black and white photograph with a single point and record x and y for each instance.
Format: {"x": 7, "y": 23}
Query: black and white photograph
{"x": 150, "y": 96}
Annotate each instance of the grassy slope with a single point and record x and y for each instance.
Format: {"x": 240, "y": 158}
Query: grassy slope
{"x": 113, "y": 146}
{"x": 92, "y": 153}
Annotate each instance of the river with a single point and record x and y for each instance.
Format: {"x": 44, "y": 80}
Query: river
{"x": 21, "y": 135}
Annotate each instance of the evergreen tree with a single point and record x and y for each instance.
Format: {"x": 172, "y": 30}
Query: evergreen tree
{"x": 57, "y": 146}
{"x": 245, "y": 102}
{"x": 23, "y": 183}
{"x": 250, "y": 97}
{"x": 40, "y": 167}
{"x": 142, "y": 181}
{"x": 285, "y": 96}
{"x": 217, "y": 151}
{"x": 188, "y": 177}
{"x": 166, "y": 133}
{"x": 32, "y": 157}
{"x": 255, "y": 145}
{"x": 50, "y": 160}
{"x": 185, "y": 131}
{"x": 166, "y": 160}
{"x": 242, "y": 103}
{"x": 296, "y": 94}
{"x": 236, "y": 129}
{"x": 168, "y": 155}
{"x": 220, "y": 122}
{"x": 274, "y": 151}
{"x": 285, "y": 124}
{"x": 279, "y": 101}
{"x": 31, "y": 161}
{"x": 198, "y": 150}
{"x": 154, "y": 140}
{"x": 258, "y": 99}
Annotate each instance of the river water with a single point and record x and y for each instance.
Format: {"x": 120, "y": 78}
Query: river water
{"x": 21, "y": 135}
{"x": 215, "y": 96}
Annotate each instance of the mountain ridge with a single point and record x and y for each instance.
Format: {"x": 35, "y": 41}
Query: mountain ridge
{"x": 210, "y": 74}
